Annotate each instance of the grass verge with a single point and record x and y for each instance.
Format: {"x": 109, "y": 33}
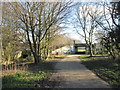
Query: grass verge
{"x": 104, "y": 67}
{"x": 29, "y": 78}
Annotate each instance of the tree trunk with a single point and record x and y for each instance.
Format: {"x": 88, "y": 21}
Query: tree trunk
{"x": 90, "y": 50}
{"x": 36, "y": 57}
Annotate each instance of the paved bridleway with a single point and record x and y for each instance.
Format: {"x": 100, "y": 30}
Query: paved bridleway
{"x": 72, "y": 74}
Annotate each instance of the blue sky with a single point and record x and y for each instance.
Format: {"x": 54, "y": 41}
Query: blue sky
{"x": 70, "y": 30}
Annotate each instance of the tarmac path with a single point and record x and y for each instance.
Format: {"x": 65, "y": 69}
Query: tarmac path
{"x": 70, "y": 73}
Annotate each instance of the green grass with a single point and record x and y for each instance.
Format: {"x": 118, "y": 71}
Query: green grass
{"x": 81, "y": 50}
{"x": 22, "y": 80}
{"x": 104, "y": 67}
{"x": 29, "y": 78}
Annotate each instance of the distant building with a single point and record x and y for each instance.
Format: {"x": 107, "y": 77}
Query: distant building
{"x": 82, "y": 48}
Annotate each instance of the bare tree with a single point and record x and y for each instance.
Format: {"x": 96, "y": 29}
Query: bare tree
{"x": 10, "y": 36}
{"x": 36, "y": 18}
{"x": 86, "y": 16}
{"x": 111, "y": 28}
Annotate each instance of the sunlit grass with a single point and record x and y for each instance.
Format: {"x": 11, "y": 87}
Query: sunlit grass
{"x": 106, "y": 68}
{"x": 28, "y": 78}
{"x": 87, "y": 57}
{"x": 84, "y": 57}
{"x": 81, "y": 50}
{"x": 22, "y": 80}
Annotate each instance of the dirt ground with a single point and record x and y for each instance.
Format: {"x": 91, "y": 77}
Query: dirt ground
{"x": 70, "y": 73}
